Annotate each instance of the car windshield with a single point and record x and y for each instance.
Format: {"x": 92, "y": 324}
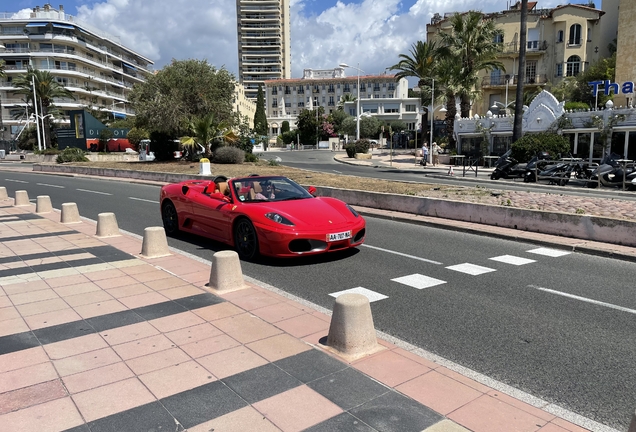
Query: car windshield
{"x": 268, "y": 189}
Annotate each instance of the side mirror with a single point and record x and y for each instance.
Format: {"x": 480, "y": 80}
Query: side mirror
{"x": 311, "y": 190}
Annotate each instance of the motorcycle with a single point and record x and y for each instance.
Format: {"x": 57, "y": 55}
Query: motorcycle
{"x": 508, "y": 167}
{"x": 560, "y": 173}
{"x": 612, "y": 173}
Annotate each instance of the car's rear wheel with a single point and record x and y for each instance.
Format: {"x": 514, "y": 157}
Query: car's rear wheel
{"x": 245, "y": 239}
{"x": 170, "y": 218}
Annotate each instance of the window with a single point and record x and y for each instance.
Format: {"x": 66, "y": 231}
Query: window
{"x": 301, "y": 104}
{"x": 391, "y": 110}
{"x": 531, "y": 71}
{"x": 301, "y": 90}
{"x": 287, "y": 90}
{"x": 410, "y": 108}
{"x": 331, "y": 101}
{"x": 575, "y": 34}
{"x": 347, "y": 89}
{"x": 496, "y": 78}
{"x": 363, "y": 87}
{"x": 391, "y": 86}
{"x": 559, "y": 69}
{"x": 275, "y": 103}
{"x": 352, "y": 111}
{"x": 499, "y": 38}
{"x": 62, "y": 81}
{"x": 559, "y": 38}
{"x": 331, "y": 89}
{"x": 376, "y": 87}
{"x": 274, "y": 91}
{"x": 573, "y": 67}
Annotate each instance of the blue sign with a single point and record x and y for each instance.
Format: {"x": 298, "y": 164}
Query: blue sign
{"x": 609, "y": 87}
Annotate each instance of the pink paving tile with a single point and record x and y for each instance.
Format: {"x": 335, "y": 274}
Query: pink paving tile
{"x": 303, "y": 325}
{"x": 218, "y": 311}
{"x": 167, "y": 283}
{"x": 101, "y": 308}
{"x": 151, "y": 276}
{"x": 463, "y": 379}
{"x": 97, "y": 377}
{"x": 29, "y": 396}
{"x": 231, "y": 361}
{"x": 42, "y": 307}
{"x": 116, "y": 281}
{"x": 390, "y": 368}
{"x": 49, "y": 319}
{"x": 97, "y": 296}
{"x": 142, "y": 347}
{"x": 75, "y": 346}
{"x": 158, "y": 360}
{"x": 256, "y": 301}
{"x": 66, "y": 280}
{"x": 182, "y": 291}
{"x": 193, "y": 334}
{"x": 521, "y": 405}
{"x": 104, "y": 274}
{"x": 247, "y": 292}
{"x": 176, "y": 322}
{"x": 570, "y": 427}
{"x": 421, "y": 360}
{"x": 4, "y": 300}
{"x": 209, "y": 346}
{"x": 86, "y": 361}
{"x": 487, "y": 414}
{"x": 138, "y": 269}
{"x": 551, "y": 427}
{"x": 246, "y": 328}
{"x": 242, "y": 420}
{"x": 128, "y": 333}
{"x": 278, "y": 312}
{"x": 315, "y": 338}
{"x": 140, "y": 300}
{"x": 129, "y": 290}
{"x": 112, "y": 398}
{"x": 22, "y": 359}
{"x": 278, "y": 347}
{"x": 297, "y": 409}
{"x": 438, "y": 392}
{"x": 9, "y": 313}
{"x": 175, "y": 379}
{"x": 27, "y": 376}
{"x": 35, "y": 296}
{"x": 75, "y": 289}
{"x": 56, "y": 415}
{"x": 25, "y": 287}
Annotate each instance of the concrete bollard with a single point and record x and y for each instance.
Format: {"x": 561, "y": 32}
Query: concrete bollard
{"x": 70, "y": 214}
{"x": 155, "y": 243}
{"x": 3, "y": 193}
{"x": 632, "y": 424}
{"x": 351, "y": 332}
{"x": 43, "y": 204}
{"x": 107, "y": 225}
{"x": 225, "y": 273}
{"x": 21, "y": 198}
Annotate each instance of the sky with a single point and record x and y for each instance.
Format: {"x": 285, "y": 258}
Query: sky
{"x": 324, "y": 33}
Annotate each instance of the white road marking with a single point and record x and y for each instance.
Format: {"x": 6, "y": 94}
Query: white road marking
{"x": 471, "y": 269}
{"x": 418, "y": 281}
{"x": 145, "y": 200}
{"x": 402, "y": 254}
{"x": 549, "y": 252}
{"x": 337, "y": 172}
{"x": 514, "y": 260}
{"x": 584, "y": 299}
{"x": 371, "y": 295}
{"x": 95, "y": 192}
{"x": 50, "y": 185}
{"x": 16, "y": 181}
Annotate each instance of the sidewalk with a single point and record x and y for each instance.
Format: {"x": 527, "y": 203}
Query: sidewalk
{"x": 93, "y": 337}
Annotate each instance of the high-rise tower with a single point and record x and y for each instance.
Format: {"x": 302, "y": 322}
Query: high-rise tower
{"x": 264, "y": 49}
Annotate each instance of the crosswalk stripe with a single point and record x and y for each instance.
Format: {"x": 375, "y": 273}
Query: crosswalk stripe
{"x": 549, "y": 252}
{"x": 418, "y": 281}
{"x": 471, "y": 269}
{"x": 511, "y": 259}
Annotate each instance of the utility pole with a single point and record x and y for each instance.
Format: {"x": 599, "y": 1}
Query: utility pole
{"x": 516, "y": 131}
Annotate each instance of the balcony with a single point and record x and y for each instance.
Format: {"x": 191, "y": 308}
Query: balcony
{"x": 500, "y": 81}
{"x": 534, "y": 46}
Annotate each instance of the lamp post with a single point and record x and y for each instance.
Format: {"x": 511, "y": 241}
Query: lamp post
{"x": 35, "y": 105}
{"x": 344, "y": 65}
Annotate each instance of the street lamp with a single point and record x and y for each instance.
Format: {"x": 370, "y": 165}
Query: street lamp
{"x": 344, "y": 65}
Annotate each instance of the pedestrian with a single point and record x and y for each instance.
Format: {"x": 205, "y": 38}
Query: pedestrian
{"x": 435, "y": 149}
{"x": 424, "y": 155}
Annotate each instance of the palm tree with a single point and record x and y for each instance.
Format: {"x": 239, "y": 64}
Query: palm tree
{"x": 47, "y": 89}
{"x": 471, "y": 45}
{"x": 208, "y": 134}
{"x": 347, "y": 97}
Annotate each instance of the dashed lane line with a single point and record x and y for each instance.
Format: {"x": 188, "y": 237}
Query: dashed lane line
{"x": 402, "y": 254}
{"x": 584, "y": 299}
{"x": 95, "y": 192}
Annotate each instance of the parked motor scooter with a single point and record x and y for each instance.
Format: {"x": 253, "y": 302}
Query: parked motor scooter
{"x": 612, "y": 173}
{"x": 508, "y": 167}
{"x": 558, "y": 173}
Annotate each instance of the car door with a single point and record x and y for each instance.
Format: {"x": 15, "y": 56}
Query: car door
{"x": 212, "y": 215}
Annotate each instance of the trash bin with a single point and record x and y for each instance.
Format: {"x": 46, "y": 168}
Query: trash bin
{"x": 2, "y": 153}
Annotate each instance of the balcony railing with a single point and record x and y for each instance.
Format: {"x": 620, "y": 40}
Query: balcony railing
{"x": 534, "y": 79}
{"x": 532, "y": 46}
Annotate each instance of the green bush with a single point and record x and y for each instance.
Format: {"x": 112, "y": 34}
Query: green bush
{"x": 71, "y": 154}
{"x": 48, "y": 151}
{"x": 351, "y": 150}
{"x": 572, "y": 106}
{"x": 251, "y": 157}
{"x": 362, "y": 145}
{"x": 532, "y": 143}
{"x": 229, "y": 155}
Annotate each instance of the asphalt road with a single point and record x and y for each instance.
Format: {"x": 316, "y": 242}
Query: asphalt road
{"x": 561, "y": 328}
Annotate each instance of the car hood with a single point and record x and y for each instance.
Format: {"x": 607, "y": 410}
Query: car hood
{"x": 318, "y": 213}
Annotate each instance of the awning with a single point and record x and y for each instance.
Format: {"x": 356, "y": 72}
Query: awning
{"x": 128, "y": 66}
{"x": 64, "y": 26}
{"x": 118, "y": 115}
{"x": 36, "y": 24}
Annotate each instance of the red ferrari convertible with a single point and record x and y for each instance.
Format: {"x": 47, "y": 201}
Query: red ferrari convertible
{"x": 268, "y": 215}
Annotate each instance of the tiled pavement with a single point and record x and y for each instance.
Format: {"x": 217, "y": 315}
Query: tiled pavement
{"x": 94, "y": 337}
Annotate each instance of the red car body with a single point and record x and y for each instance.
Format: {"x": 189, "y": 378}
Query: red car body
{"x": 291, "y": 224}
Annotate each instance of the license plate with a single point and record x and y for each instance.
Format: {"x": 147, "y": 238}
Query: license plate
{"x": 339, "y": 236}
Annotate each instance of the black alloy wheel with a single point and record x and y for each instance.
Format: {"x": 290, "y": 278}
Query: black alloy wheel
{"x": 170, "y": 218}
{"x": 245, "y": 239}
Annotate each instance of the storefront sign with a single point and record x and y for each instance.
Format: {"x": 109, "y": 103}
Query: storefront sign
{"x": 607, "y": 86}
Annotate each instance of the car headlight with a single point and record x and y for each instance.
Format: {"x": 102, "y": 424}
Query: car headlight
{"x": 355, "y": 213}
{"x": 279, "y": 219}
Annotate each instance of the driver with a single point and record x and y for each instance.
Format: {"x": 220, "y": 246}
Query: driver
{"x": 267, "y": 191}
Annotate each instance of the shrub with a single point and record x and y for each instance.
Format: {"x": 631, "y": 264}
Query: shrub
{"x": 532, "y": 143}
{"x": 362, "y": 145}
{"x": 48, "y": 151}
{"x": 351, "y": 150}
{"x": 569, "y": 106}
{"x": 71, "y": 154}
{"x": 229, "y": 155}
{"x": 251, "y": 157}
{"x": 273, "y": 162}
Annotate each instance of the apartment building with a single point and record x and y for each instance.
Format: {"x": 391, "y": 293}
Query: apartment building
{"x": 562, "y": 41}
{"x": 94, "y": 65}
{"x": 264, "y": 47}
{"x": 626, "y": 54}
{"x": 243, "y": 106}
{"x": 380, "y": 96}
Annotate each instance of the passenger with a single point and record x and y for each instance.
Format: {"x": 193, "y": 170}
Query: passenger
{"x": 266, "y": 192}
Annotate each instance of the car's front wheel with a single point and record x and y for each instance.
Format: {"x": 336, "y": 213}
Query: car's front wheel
{"x": 170, "y": 218}
{"x": 245, "y": 239}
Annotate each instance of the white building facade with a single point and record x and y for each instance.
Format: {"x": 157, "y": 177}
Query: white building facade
{"x": 92, "y": 64}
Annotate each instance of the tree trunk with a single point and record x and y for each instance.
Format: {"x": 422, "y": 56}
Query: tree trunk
{"x": 516, "y": 131}
{"x": 451, "y": 110}
{"x": 465, "y": 106}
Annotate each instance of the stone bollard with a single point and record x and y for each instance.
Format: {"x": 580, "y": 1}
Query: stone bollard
{"x": 70, "y": 214}
{"x": 351, "y": 332}
{"x": 43, "y": 204}
{"x": 3, "y": 193}
{"x": 21, "y": 198}
{"x": 632, "y": 424}
{"x": 155, "y": 243}
{"x": 225, "y": 273}
{"x": 107, "y": 225}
